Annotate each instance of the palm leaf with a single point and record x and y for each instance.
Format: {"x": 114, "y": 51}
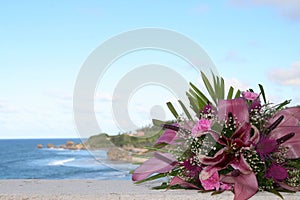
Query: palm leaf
{"x": 230, "y": 93}
{"x": 262, "y": 93}
{"x": 222, "y": 89}
{"x": 173, "y": 110}
{"x": 199, "y": 93}
{"x": 200, "y": 102}
{"x": 185, "y": 110}
{"x": 193, "y": 104}
{"x": 209, "y": 88}
{"x": 238, "y": 94}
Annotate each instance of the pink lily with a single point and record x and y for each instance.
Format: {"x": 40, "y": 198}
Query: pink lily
{"x": 230, "y": 153}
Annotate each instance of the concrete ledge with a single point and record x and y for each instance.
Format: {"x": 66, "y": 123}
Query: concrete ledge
{"x": 106, "y": 190}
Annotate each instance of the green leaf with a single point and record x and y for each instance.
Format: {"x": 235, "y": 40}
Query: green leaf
{"x": 238, "y": 94}
{"x": 262, "y": 93}
{"x": 276, "y": 193}
{"x": 185, "y": 110}
{"x": 222, "y": 88}
{"x": 200, "y": 102}
{"x": 217, "y": 192}
{"x": 157, "y": 122}
{"x": 172, "y": 109}
{"x": 200, "y": 94}
{"x": 193, "y": 104}
{"x": 286, "y": 102}
{"x": 209, "y": 88}
{"x": 158, "y": 147}
{"x": 216, "y": 86}
{"x": 230, "y": 93}
{"x": 164, "y": 185}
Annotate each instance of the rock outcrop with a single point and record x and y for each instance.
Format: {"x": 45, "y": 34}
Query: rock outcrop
{"x": 50, "y": 146}
{"x": 69, "y": 145}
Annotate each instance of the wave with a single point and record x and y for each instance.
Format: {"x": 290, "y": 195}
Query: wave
{"x": 61, "y": 162}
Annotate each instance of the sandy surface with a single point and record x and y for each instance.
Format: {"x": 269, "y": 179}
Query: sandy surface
{"x": 91, "y": 189}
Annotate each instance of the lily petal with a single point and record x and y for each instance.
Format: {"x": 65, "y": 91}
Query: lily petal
{"x": 289, "y": 124}
{"x": 241, "y": 165}
{"x": 178, "y": 181}
{"x": 167, "y": 137}
{"x": 218, "y": 157}
{"x": 238, "y": 107}
{"x": 160, "y": 163}
{"x": 207, "y": 172}
{"x": 243, "y": 132}
{"x": 291, "y": 117}
{"x": 245, "y": 185}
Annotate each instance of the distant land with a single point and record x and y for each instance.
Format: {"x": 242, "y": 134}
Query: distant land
{"x": 126, "y": 147}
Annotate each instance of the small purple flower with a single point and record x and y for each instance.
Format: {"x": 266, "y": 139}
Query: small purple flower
{"x": 192, "y": 169}
{"x": 277, "y": 172}
{"x": 266, "y": 146}
{"x": 207, "y": 109}
{"x": 255, "y": 105}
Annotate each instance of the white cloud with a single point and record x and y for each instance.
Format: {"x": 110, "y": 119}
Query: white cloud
{"x": 236, "y": 84}
{"x": 8, "y": 108}
{"x": 286, "y": 8}
{"x": 287, "y": 76}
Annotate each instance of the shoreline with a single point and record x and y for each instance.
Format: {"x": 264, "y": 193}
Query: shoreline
{"x": 107, "y": 190}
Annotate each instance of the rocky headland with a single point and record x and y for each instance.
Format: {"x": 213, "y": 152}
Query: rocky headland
{"x": 127, "y": 147}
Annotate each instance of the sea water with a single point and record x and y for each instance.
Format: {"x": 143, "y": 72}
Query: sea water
{"x": 21, "y": 159}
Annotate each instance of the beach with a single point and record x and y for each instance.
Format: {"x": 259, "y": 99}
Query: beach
{"x": 27, "y": 189}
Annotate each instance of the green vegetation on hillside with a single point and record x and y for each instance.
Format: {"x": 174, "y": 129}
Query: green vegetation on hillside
{"x": 151, "y": 134}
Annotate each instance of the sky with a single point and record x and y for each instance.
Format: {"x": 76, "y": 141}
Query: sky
{"x": 44, "y": 45}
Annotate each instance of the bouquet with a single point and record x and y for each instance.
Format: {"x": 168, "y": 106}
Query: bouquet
{"x": 237, "y": 143}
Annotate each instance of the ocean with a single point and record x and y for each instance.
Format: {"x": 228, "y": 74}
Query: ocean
{"x": 21, "y": 159}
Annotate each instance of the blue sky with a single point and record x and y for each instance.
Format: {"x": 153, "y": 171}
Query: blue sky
{"x": 45, "y": 43}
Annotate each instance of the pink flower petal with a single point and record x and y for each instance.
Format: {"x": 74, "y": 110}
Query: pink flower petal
{"x": 245, "y": 185}
{"x": 250, "y": 95}
{"x": 238, "y": 108}
{"x": 178, "y": 181}
{"x": 211, "y": 183}
{"x": 242, "y": 132}
{"x": 289, "y": 124}
{"x": 168, "y": 136}
{"x": 200, "y": 127}
{"x": 241, "y": 165}
{"x": 287, "y": 187}
{"x": 160, "y": 163}
{"x": 218, "y": 157}
{"x": 225, "y": 186}
{"x": 207, "y": 172}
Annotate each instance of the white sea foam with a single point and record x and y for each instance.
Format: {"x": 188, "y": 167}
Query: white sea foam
{"x": 61, "y": 162}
